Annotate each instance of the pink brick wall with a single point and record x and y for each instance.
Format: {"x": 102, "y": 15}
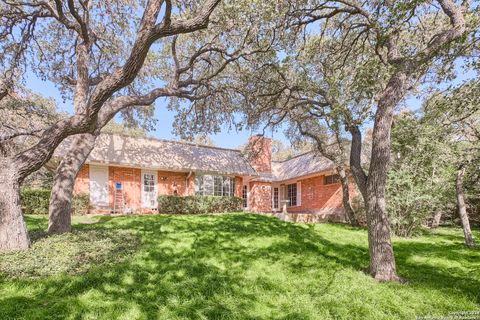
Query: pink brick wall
{"x": 131, "y": 183}
{"x": 131, "y": 179}
{"x": 169, "y": 182}
{"x": 316, "y": 197}
{"x": 82, "y": 184}
{"x": 191, "y": 185}
{"x": 261, "y": 153}
{"x": 238, "y": 186}
{"x": 324, "y": 199}
{"x": 260, "y": 196}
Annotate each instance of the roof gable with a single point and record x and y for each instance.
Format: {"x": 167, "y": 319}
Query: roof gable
{"x": 301, "y": 165}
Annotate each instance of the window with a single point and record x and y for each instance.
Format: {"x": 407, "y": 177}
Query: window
{"x": 198, "y": 185}
{"x": 225, "y": 186}
{"x": 218, "y": 186}
{"x": 148, "y": 182}
{"x": 292, "y": 194}
{"x": 208, "y": 185}
{"x": 275, "y": 198}
{"x": 245, "y": 196}
{"x": 334, "y": 178}
{"x": 232, "y": 187}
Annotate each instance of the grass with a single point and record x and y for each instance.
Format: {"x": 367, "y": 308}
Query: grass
{"x": 242, "y": 266}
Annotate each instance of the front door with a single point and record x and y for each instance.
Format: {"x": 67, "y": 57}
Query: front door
{"x": 149, "y": 189}
{"x": 98, "y": 185}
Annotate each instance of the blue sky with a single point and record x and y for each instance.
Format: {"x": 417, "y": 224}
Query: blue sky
{"x": 165, "y": 117}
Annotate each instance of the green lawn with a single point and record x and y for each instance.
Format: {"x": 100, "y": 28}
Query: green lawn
{"x": 245, "y": 266}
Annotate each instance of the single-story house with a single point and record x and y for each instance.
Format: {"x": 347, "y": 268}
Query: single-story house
{"x": 127, "y": 174}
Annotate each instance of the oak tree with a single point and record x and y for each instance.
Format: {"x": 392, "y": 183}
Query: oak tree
{"x": 95, "y": 52}
{"x": 191, "y": 69}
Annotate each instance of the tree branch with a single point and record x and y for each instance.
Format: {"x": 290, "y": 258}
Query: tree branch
{"x": 148, "y": 33}
{"x": 439, "y": 40}
{"x": 4, "y": 136}
{"x": 356, "y": 159}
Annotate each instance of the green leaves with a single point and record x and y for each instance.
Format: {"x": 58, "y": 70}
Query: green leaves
{"x": 427, "y": 148}
{"x": 36, "y": 200}
{"x": 70, "y": 253}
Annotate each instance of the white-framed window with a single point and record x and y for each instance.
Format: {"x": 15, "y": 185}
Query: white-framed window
{"x": 213, "y": 185}
{"x": 227, "y": 186}
{"x": 275, "y": 198}
{"x": 148, "y": 182}
{"x": 245, "y": 195}
{"x": 294, "y": 194}
{"x": 149, "y": 189}
{"x": 218, "y": 186}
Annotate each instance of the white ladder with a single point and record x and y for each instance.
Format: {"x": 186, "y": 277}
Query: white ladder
{"x": 118, "y": 201}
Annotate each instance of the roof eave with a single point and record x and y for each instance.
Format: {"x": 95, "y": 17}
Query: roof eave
{"x": 304, "y": 176}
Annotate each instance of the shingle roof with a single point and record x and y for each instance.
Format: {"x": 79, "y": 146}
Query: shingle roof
{"x": 301, "y": 165}
{"x": 164, "y": 155}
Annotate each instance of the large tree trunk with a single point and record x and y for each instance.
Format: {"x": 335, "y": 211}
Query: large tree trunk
{"x": 462, "y": 210}
{"x": 382, "y": 260}
{"x": 59, "y": 218}
{"x": 350, "y": 214}
{"x": 13, "y": 231}
{"x": 13, "y": 170}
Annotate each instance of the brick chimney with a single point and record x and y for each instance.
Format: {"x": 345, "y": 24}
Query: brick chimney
{"x": 259, "y": 152}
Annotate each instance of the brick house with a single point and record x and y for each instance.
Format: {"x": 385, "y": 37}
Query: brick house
{"x": 127, "y": 174}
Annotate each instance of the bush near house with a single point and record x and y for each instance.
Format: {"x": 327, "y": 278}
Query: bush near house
{"x": 35, "y": 201}
{"x": 198, "y": 204}
{"x": 80, "y": 203}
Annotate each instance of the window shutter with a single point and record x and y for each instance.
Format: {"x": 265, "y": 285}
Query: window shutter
{"x": 299, "y": 193}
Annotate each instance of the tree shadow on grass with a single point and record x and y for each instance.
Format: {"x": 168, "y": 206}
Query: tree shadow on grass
{"x": 195, "y": 267}
{"x": 213, "y": 232}
{"x": 303, "y": 240}
{"x": 204, "y": 277}
{"x": 445, "y": 266}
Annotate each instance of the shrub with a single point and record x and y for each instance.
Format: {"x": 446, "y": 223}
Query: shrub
{"x": 413, "y": 198}
{"x": 70, "y": 253}
{"x": 36, "y": 200}
{"x": 198, "y": 204}
{"x": 80, "y": 203}
{"x": 421, "y": 177}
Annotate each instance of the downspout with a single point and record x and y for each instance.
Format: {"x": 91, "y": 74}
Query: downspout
{"x": 186, "y": 182}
